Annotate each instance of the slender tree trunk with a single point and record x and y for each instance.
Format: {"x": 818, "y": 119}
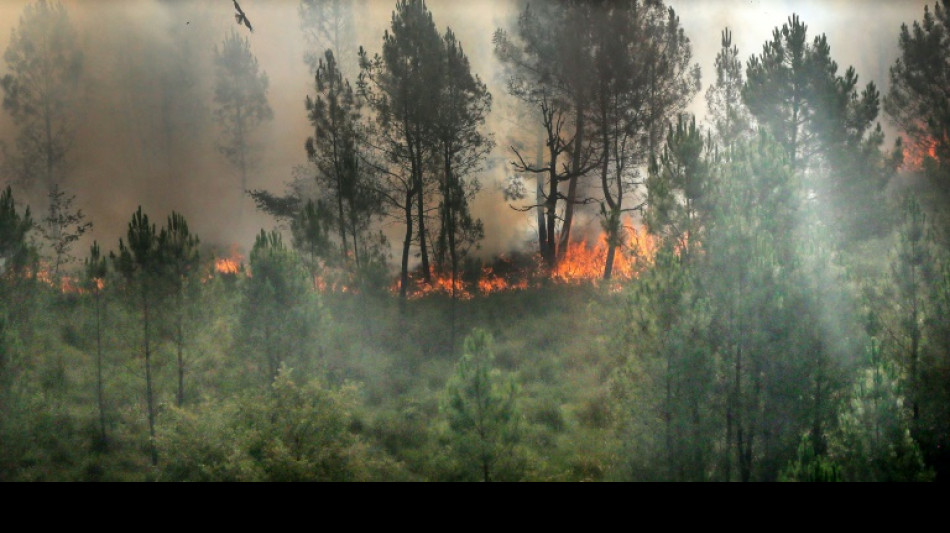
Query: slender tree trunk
{"x": 453, "y": 253}
{"x": 572, "y": 182}
{"x": 611, "y": 211}
{"x": 407, "y": 243}
{"x": 817, "y": 431}
{"x": 549, "y": 251}
{"x": 727, "y": 459}
{"x": 611, "y": 252}
{"x": 668, "y": 414}
{"x": 100, "y": 396}
{"x": 355, "y": 234}
{"x": 451, "y": 204}
{"x": 914, "y": 357}
{"x": 539, "y": 195}
{"x": 337, "y": 168}
{"x": 346, "y": 253}
{"x": 745, "y": 469}
{"x": 423, "y": 248}
{"x": 273, "y": 361}
{"x": 148, "y": 378}
{"x": 415, "y": 153}
{"x": 180, "y": 342}
{"x": 698, "y": 469}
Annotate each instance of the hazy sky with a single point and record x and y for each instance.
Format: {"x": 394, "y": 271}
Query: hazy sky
{"x": 116, "y": 165}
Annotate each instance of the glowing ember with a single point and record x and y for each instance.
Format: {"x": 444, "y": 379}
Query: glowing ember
{"x": 491, "y": 283}
{"x": 333, "y": 280}
{"x": 440, "y": 284}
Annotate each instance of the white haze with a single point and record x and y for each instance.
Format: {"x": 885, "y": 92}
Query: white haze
{"x": 117, "y": 163}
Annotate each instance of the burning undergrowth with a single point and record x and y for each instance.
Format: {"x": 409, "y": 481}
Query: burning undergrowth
{"x": 582, "y": 263}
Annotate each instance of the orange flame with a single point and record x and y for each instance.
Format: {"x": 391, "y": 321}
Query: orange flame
{"x": 226, "y": 265}
{"x": 65, "y": 284}
{"x": 332, "y": 280}
{"x": 915, "y": 153}
{"x": 582, "y": 263}
{"x": 232, "y": 265}
{"x": 585, "y": 263}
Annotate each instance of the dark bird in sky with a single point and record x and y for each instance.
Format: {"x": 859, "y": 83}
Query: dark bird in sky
{"x": 240, "y": 17}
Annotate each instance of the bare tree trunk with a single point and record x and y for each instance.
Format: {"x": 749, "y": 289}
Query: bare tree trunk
{"x": 180, "y": 342}
{"x": 423, "y": 249}
{"x": 148, "y": 379}
{"x": 549, "y": 251}
{"x": 572, "y": 181}
{"x": 407, "y": 243}
{"x": 668, "y": 414}
{"x": 611, "y": 252}
{"x": 539, "y": 195}
{"x": 100, "y": 396}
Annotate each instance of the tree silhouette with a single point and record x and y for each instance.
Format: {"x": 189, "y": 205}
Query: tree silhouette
{"x": 240, "y": 94}
{"x": 918, "y": 99}
{"x": 140, "y": 262}
{"x": 40, "y": 92}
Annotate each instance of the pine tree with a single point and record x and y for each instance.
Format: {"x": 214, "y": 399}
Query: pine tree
{"x": 401, "y": 86}
{"x": 917, "y": 100}
{"x": 549, "y": 66}
{"x": 730, "y": 118}
{"x": 96, "y": 268}
{"x": 462, "y": 147}
{"x": 280, "y": 316}
{"x": 140, "y": 262}
{"x": 311, "y": 236}
{"x": 15, "y": 249}
{"x": 40, "y": 92}
{"x": 677, "y": 185}
{"x": 794, "y": 91}
{"x": 481, "y": 409}
{"x": 643, "y": 79}
{"x": 912, "y": 273}
{"x": 179, "y": 251}
{"x": 240, "y": 94}
{"x": 746, "y": 246}
{"x": 335, "y": 149}
{"x": 670, "y": 424}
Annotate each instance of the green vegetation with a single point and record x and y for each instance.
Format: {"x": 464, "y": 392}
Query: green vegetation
{"x": 789, "y": 325}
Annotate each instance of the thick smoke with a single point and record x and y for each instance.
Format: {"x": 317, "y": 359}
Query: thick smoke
{"x": 146, "y": 135}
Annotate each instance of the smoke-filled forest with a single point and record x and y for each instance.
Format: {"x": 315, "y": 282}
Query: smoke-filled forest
{"x": 546, "y": 240}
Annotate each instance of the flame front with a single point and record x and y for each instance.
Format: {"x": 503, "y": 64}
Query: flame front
{"x": 582, "y": 263}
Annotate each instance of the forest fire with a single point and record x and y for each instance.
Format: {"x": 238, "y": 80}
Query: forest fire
{"x": 915, "y": 154}
{"x": 582, "y": 263}
{"x": 227, "y": 265}
{"x": 65, "y": 284}
{"x": 231, "y": 265}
